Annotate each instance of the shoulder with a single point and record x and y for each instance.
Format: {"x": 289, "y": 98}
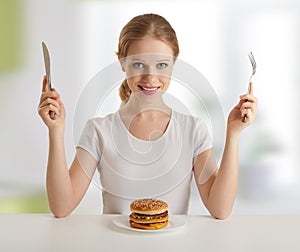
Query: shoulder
{"x": 196, "y": 132}
{"x": 194, "y": 126}
{"x": 98, "y": 125}
{"x": 101, "y": 121}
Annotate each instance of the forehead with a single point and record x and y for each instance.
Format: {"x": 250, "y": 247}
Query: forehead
{"x": 149, "y": 58}
{"x": 149, "y": 45}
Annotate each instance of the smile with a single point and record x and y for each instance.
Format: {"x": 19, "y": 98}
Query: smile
{"x": 149, "y": 90}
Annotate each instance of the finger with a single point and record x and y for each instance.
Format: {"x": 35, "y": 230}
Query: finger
{"x": 248, "y": 97}
{"x": 56, "y": 94}
{"x": 49, "y": 94}
{"x": 45, "y": 84}
{"x": 49, "y": 101}
{"x": 247, "y": 105}
{"x": 50, "y": 105}
{"x": 239, "y": 104}
{"x": 61, "y": 104}
{"x": 246, "y": 112}
{"x": 45, "y": 110}
{"x": 251, "y": 88}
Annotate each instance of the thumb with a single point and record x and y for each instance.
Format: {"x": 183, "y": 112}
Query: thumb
{"x": 251, "y": 88}
{"x": 45, "y": 84}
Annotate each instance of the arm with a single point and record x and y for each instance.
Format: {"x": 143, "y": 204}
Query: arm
{"x": 65, "y": 188}
{"x": 218, "y": 192}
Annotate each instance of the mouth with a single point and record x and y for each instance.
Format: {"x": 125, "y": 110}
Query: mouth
{"x": 149, "y": 90}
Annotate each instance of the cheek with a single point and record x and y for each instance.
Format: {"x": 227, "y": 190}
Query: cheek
{"x": 132, "y": 81}
{"x": 165, "y": 80}
{"x": 133, "y": 73}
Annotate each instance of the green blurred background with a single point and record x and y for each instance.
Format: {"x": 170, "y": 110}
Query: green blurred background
{"x": 11, "y": 59}
{"x": 10, "y": 34}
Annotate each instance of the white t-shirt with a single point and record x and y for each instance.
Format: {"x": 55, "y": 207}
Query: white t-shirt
{"x": 131, "y": 168}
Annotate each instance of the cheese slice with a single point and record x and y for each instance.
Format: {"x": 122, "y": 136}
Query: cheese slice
{"x": 157, "y": 225}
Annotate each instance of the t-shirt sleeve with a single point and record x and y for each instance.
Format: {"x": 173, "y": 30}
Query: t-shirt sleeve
{"x": 89, "y": 140}
{"x": 202, "y": 137}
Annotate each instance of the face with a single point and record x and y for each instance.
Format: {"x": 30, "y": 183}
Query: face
{"x": 148, "y": 66}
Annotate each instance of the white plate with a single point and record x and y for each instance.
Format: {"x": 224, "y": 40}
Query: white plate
{"x": 175, "y": 222}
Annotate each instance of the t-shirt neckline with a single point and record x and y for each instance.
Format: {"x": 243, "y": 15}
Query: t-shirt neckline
{"x": 142, "y": 140}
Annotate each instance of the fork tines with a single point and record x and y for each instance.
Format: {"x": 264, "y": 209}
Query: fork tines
{"x": 253, "y": 63}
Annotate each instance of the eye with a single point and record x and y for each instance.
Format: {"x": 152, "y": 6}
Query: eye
{"x": 138, "y": 65}
{"x": 161, "y": 65}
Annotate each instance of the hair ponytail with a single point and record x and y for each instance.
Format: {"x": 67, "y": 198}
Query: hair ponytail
{"x": 124, "y": 91}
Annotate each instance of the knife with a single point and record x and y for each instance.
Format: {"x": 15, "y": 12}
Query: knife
{"x": 48, "y": 74}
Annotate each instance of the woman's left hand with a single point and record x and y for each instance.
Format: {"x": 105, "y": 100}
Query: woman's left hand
{"x": 246, "y": 106}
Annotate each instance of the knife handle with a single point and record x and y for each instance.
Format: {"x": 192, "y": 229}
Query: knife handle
{"x": 52, "y": 115}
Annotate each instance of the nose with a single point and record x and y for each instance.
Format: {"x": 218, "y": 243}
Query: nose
{"x": 150, "y": 78}
{"x": 150, "y": 75}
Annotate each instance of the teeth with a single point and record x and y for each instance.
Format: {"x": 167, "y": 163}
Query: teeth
{"x": 150, "y": 89}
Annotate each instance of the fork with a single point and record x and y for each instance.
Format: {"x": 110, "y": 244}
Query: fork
{"x": 253, "y": 63}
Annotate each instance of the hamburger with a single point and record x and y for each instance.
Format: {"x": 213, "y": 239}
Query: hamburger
{"x": 149, "y": 214}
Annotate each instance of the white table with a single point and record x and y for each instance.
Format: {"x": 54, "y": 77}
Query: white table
{"x": 88, "y": 233}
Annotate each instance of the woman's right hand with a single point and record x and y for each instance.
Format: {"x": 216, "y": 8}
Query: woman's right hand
{"x": 50, "y": 101}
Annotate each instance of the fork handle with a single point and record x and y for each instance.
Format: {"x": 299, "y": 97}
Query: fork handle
{"x": 245, "y": 116}
{"x": 244, "y": 119}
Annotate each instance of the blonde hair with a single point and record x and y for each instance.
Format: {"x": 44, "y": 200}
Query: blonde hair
{"x": 152, "y": 25}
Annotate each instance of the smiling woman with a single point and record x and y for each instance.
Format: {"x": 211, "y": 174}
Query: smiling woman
{"x": 146, "y": 148}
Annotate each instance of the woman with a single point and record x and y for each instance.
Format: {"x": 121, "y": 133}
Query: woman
{"x": 145, "y": 149}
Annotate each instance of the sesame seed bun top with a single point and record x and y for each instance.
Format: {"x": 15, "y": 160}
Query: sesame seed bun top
{"x": 148, "y": 206}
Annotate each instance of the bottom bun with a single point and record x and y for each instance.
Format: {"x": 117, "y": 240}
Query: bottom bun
{"x": 150, "y": 226}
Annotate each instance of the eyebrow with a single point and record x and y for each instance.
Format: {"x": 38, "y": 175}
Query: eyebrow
{"x": 137, "y": 59}
{"x": 164, "y": 60}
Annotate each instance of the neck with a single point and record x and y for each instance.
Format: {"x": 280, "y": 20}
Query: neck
{"x": 142, "y": 106}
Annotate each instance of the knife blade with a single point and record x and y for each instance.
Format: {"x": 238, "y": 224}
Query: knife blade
{"x": 48, "y": 73}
